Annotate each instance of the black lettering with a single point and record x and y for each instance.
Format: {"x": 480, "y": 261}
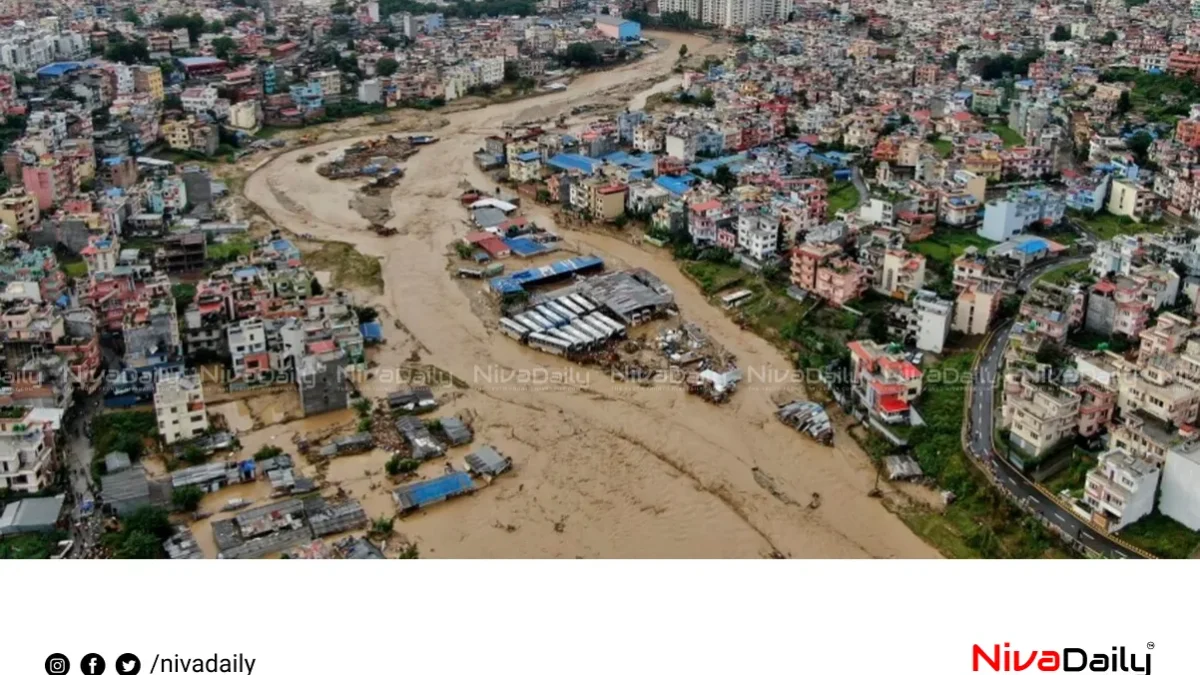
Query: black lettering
{"x": 1074, "y": 651}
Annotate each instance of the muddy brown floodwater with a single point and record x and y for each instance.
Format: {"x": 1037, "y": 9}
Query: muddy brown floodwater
{"x": 602, "y": 470}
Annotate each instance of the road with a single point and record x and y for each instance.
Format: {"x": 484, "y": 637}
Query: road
{"x": 864, "y": 194}
{"x": 1006, "y": 475}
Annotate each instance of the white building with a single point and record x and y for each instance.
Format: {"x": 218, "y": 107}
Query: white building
{"x": 758, "y": 236}
{"x": 179, "y": 408}
{"x": 1005, "y": 218}
{"x": 934, "y": 316}
{"x": 1117, "y": 255}
{"x": 246, "y": 115}
{"x": 26, "y": 452}
{"x": 1181, "y": 485}
{"x": 1120, "y": 489}
{"x": 198, "y": 100}
{"x": 370, "y": 91}
{"x": 247, "y": 338}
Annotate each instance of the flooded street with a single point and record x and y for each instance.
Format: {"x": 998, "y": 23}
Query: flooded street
{"x": 601, "y": 469}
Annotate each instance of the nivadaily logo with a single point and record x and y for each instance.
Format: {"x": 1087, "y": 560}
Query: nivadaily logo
{"x": 1004, "y": 659}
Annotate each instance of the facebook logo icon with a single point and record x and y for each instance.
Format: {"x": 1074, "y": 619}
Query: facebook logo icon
{"x": 92, "y": 664}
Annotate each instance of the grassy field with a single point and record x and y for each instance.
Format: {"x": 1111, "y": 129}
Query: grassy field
{"x": 1063, "y": 274}
{"x": 1007, "y": 134}
{"x": 843, "y": 196}
{"x": 1161, "y": 536}
{"x": 714, "y": 277}
{"x": 946, "y": 245}
{"x": 28, "y": 546}
{"x": 348, "y": 266}
{"x": 75, "y": 270}
{"x": 943, "y": 147}
{"x": 1106, "y": 225}
{"x": 1073, "y": 476}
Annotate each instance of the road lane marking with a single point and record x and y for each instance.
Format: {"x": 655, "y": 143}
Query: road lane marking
{"x": 1059, "y": 516}
{"x": 1087, "y": 534}
{"x": 1035, "y": 499}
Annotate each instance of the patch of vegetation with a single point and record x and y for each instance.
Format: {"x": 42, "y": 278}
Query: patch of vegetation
{"x": 397, "y": 465}
{"x": 714, "y": 277}
{"x": 1074, "y": 476}
{"x": 126, "y": 432}
{"x": 842, "y": 197}
{"x": 75, "y": 270}
{"x": 1091, "y": 342}
{"x": 1158, "y": 97}
{"x": 944, "y": 147}
{"x": 28, "y": 546}
{"x": 230, "y": 250}
{"x": 945, "y": 245}
{"x": 1007, "y": 134}
{"x": 348, "y": 266}
{"x": 980, "y": 522}
{"x": 1106, "y": 225}
{"x": 267, "y": 452}
{"x": 141, "y": 535}
{"x": 1162, "y": 536}
{"x": 187, "y": 498}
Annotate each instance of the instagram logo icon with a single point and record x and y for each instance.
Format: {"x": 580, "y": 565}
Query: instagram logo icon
{"x": 57, "y": 664}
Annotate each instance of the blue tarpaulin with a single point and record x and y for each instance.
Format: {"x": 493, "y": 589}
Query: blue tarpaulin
{"x": 371, "y": 331}
{"x": 516, "y": 282}
{"x": 431, "y": 491}
{"x": 525, "y": 247}
{"x": 568, "y": 162}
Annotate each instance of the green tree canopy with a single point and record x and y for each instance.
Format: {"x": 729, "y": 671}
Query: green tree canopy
{"x": 386, "y": 66}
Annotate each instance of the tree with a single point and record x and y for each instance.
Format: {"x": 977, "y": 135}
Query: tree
{"x": 683, "y": 51}
{"x": 216, "y": 26}
{"x": 238, "y": 17}
{"x": 128, "y": 52}
{"x": 223, "y": 46}
{"x": 582, "y": 54}
{"x": 390, "y": 42}
{"x": 183, "y": 294}
{"x": 1124, "y": 104}
{"x": 1061, "y": 33}
{"x": 1108, "y": 39}
{"x": 139, "y": 545}
{"x": 267, "y": 452}
{"x": 386, "y": 66}
{"x": 149, "y": 519}
{"x": 877, "y": 327}
{"x": 315, "y": 288}
{"x": 1139, "y": 145}
{"x": 194, "y": 24}
{"x": 130, "y": 14}
{"x": 187, "y": 498}
{"x": 706, "y": 98}
{"x": 724, "y": 177}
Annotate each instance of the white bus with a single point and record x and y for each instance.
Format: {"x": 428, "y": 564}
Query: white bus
{"x": 550, "y": 316}
{"x": 599, "y": 325}
{"x": 513, "y": 329}
{"x": 584, "y": 339}
{"x": 571, "y": 305}
{"x": 588, "y": 329}
{"x": 583, "y": 302}
{"x": 608, "y": 321}
{"x": 736, "y": 298}
{"x": 529, "y": 323}
{"x": 563, "y": 309}
{"x": 548, "y": 344}
{"x": 540, "y": 320}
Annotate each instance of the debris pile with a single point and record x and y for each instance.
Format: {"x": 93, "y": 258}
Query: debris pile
{"x": 807, "y": 417}
{"x": 371, "y": 157}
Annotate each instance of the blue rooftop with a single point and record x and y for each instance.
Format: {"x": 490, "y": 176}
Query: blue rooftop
{"x": 639, "y": 161}
{"x": 709, "y": 166}
{"x": 568, "y": 162}
{"x": 524, "y": 246}
{"x": 1032, "y": 246}
{"x": 433, "y": 490}
{"x": 530, "y": 156}
{"x": 199, "y": 60}
{"x": 372, "y": 331}
{"x": 561, "y": 269}
{"x": 675, "y": 185}
{"x": 58, "y": 69}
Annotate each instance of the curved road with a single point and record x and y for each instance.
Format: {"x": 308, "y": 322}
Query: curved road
{"x": 1005, "y": 474}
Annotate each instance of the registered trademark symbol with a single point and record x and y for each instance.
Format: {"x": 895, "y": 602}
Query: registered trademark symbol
{"x": 1149, "y": 645}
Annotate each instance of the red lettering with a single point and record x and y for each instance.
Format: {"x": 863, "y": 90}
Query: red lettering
{"x": 1049, "y": 662}
{"x": 1022, "y": 666}
{"x": 978, "y": 653}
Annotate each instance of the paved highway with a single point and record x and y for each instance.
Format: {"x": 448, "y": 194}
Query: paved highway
{"x": 1006, "y": 475}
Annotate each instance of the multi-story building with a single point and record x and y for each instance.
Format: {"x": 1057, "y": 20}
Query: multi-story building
{"x": 148, "y": 80}
{"x": 1120, "y": 490}
{"x": 198, "y": 100}
{"x": 883, "y": 383}
{"x": 758, "y": 236}
{"x": 1133, "y": 200}
{"x": 1005, "y": 218}
{"x": 1039, "y": 416}
{"x": 976, "y": 306}
{"x": 179, "y": 408}
{"x": 247, "y": 340}
{"x": 902, "y": 275}
{"x": 1180, "y": 498}
{"x": 27, "y": 451}
{"x": 19, "y": 210}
